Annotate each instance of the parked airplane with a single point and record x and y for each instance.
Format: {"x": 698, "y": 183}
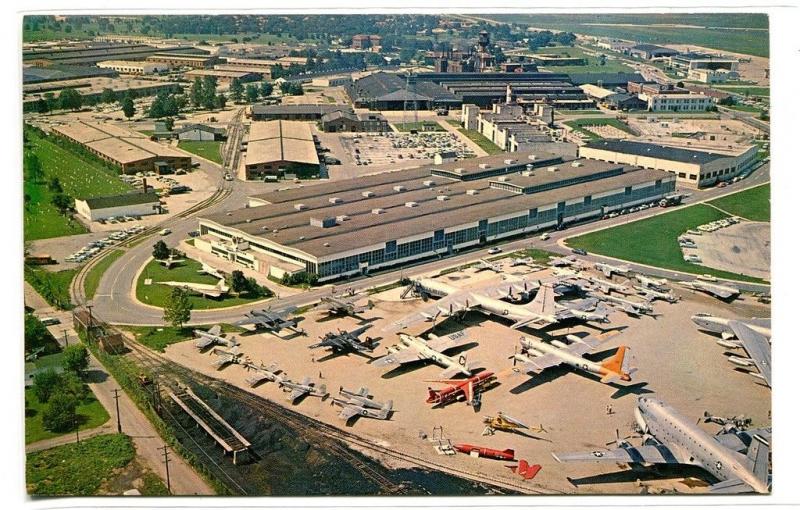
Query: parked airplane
{"x": 346, "y": 341}
{"x": 651, "y": 294}
{"x": 523, "y": 261}
{"x": 484, "y": 265}
{"x": 752, "y": 335}
{"x": 659, "y": 284}
{"x": 211, "y": 271}
{"x": 272, "y": 320}
{"x": 626, "y": 305}
{"x": 537, "y": 314}
{"x": 461, "y": 389}
{"x": 587, "y": 310}
{"x": 202, "y": 289}
{"x": 343, "y": 305}
{"x": 213, "y": 337}
{"x": 609, "y": 270}
{"x": 670, "y": 438}
{"x": 304, "y": 387}
{"x": 588, "y": 282}
{"x": 724, "y": 292}
{"x": 414, "y": 348}
{"x": 537, "y": 356}
{"x": 503, "y": 422}
{"x": 269, "y": 373}
{"x": 567, "y": 261}
{"x": 482, "y": 451}
{"x": 170, "y": 261}
{"x": 361, "y": 403}
{"x": 225, "y": 358}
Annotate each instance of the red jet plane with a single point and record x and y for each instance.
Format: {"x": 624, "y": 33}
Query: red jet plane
{"x": 468, "y": 389}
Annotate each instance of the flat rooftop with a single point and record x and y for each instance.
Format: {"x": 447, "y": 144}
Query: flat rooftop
{"x": 119, "y": 144}
{"x": 409, "y": 202}
{"x": 657, "y": 151}
{"x": 281, "y": 140}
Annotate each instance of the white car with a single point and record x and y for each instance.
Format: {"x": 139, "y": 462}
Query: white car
{"x": 494, "y": 251}
{"x": 165, "y": 232}
{"x": 544, "y": 237}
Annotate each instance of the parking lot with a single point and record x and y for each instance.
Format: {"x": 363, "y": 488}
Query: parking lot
{"x": 391, "y": 148}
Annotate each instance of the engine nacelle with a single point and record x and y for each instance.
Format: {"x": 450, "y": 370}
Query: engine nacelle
{"x": 559, "y": 344}
{"x": 640, "y": 421}
{"x": 728, "y": 344}
{"x": 742, "y": 362}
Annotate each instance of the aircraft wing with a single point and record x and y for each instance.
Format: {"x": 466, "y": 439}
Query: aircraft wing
{"x": 444, "y": 307}
{"x": 651, "y": 454}
{"x": 757, "y": 347}
{"x": 297, "y": 393}
{"x": 731, "y": 486}
{"x": 586, "y": 344}
{"x": 216, "y": 330}
{"x": 720, "y": 291}
{"x": 348, "y": 411}
{"x": 251, "y": 319}
{"x": 400, "y": 357}
{"x": 739, "y": 441}
{"x": 204, "y": 341}
{"x": 538, "y": 363}
{"x": 450, "y": 341}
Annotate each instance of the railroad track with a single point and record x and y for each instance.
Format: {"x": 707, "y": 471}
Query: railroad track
{"x": 320, "y": 433}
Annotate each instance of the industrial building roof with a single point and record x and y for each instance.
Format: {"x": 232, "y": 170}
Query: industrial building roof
{"x": 121, "y": 200}
{"x": 406, "y": 203}
{"x": 607, "y": 79}
{"x": 219, "y": 73}
{"x": 57, "y": 72}
{"x": 652, "y": 47}
{"x": 657, "y": 151}
{"x": 281, "y": 140}
{"x": 296, "y": 109}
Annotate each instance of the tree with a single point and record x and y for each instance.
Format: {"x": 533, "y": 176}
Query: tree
{"x": 70, "y": 99}
{"x": 62, "y": 202}
{"x": 252, "y": 93}
{"x": 54, "y": 185}
{"x": 266, "y": 89}
{"x": 197, "y": 92}
{"x": 237, "y": 89}
{"x": 160, "y": 251}
{"x": 238, "y": 281}
{"x": 108, "y": 96}
{"x": 128, "y": 108}
{"x": 45, "y": 384}
{"x": 59, "y": 415}
{"x": 42, "y": 106}
{"x": 221, "y": 101}
{"x": 169, "y": 123}
{"x": 32, "y": 167}
{"x": 178, "y": 310}
{"x": 76, "y": 359}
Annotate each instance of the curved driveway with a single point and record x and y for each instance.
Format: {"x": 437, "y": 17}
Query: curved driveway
{"x": 115, "y": 303}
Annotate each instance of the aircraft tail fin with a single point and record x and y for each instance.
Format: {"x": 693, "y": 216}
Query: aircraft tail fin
{"x": 758, "y": 458}
{"x": 544, "y": 303}
{"x": 432, "y": 395}
{"x": 616, "y": 365}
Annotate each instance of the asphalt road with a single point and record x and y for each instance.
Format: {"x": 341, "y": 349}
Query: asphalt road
{"x": 115, "y": 302}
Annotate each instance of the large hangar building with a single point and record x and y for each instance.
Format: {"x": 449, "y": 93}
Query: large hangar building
{"x": 350, "y": 227}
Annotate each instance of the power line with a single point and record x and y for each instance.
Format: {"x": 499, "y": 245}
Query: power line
{"x": 166, "y": 465}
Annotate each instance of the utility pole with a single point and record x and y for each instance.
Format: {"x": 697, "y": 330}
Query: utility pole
{"x": 166, "y": 465}
{"x": 75, "y": 422}
{"x": 116, "y": 401}
{"x": 89, "y": 329}
{"x": 66, "y": 339}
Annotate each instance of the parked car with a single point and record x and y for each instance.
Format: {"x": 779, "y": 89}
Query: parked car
{"x": 165, "y": 232}
{"x": 579, "y": 251}
{"x": 494, "y": 251}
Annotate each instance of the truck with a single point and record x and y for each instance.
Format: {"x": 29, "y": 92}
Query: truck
{"x": 670, "y": 200}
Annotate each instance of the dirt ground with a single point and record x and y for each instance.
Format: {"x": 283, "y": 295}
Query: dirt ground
{"x": 741, "y": 248}
{"x": 675, "y": 362}
{"x": 709, "y": 134}
{"x": 608, "y": 131}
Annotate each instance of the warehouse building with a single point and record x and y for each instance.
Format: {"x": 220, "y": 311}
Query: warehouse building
{"x": 691, "y": 167}
{"x": 348, "y": 122}
{"x": 133, "y": 67}
{"x": 200, "y": 133}
{"x": 31, "y": 74}
{"x": 177, "y": 60}
{"x": 277, "y": 147}
{"x": 223, "y": 77}
{"x": 127, "y": 204}
{"x": 651, "y": 51}
{"x": 128, "y": 150}
{"x": 293, "y": 111}
{"x": 91, "y": 53}
{"x": 355, "y": 226}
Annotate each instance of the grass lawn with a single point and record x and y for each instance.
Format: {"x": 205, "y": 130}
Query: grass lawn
{"x": 158, "y": 295}
{"x": 425, "y": 125}
{"x": 78, "y": 178}
{"x": 483, "y": 142}
{"x": 77, "y": 469}
{"x": 580, "y": 112}
{"x": 654, "y": 241}
{"x": 578, "y": 125}
{"x": 753, "y": 91}
{"x": 454, "y": 123}
{"x": 91, "y": 414}
{"x": 158, "y": 338}
{"x": 95, "y": 273}
{"x": 209, "y": 149}
{"x": 53, "y": 286}
{"x": 752, "y": 204}
{"x": 745, "y": 108}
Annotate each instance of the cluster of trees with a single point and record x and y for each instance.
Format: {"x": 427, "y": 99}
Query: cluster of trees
{"x": 545, "y": 37}
{"x": 240, "y": 284}
{"x": 302, "y": 278}
{"x": 252, "y": 92}
{"x": 62, "y": 392}
{"x": 37, "y": 338}
{"x": 72, "y": 99}
{"x": 204, "y": 94}
{"x": 179, "y": 309}
{"x": 292, "y": 88}
{"x": 166, "y": 104}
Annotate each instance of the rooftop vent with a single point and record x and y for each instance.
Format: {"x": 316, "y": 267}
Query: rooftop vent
{"x": 411, "y": 204}
{"x": 428, "y": 183}
{"x": 472, "y": 192}
{"x": 442, "y": 198}
{"x": 503, "y": 178}
{"x": 552, "y": 169}
{"x": 484, "y": 165}
{"x": 367, "y": 194}
{"x": 378, "y": 210}
{"x": 300, "y": 207}
{"x": 399, "y": 188}
{"x": 509, "y": 161}
{"x": 335, "y": 200}
{"x": 527, "y": 173}
{"x": 343, "y": 217}
{"x": 532, "y": 157}
{"x": 576, "y": 164}
{"x": 459, "y": 171}
{"x": 326, "y": 222}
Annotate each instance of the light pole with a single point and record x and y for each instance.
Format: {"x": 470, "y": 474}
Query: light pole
{"x": 116, "y": 401}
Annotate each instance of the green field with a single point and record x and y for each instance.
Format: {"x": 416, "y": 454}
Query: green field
{"x": 578, "y": 125}
{"x": 77, "y": 469}
{"x": 78, "y": 178}
{"x": 53, "y": 286}
{"x": 425, "y": 125}
{"x": 592, "y": 65}
{"x": 579, "y": 112}
{"x": 752, "y": 204}
{"x": 483, "y": 142}
{"x": 158, "y": 295}
{"x": 209, "y": 150}
{"x": 91, "y": 414}
{"x": 94, "y": 275}
{"x": 753, "y": 91}
{"x": 653, "y": 241}
{"x": 158, "y": 338}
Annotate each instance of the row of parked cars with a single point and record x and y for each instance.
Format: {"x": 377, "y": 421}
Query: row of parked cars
{"x": 91, "y": 249}
{"x": 629, "y": 210}
{"x": 687, "y": 242}
{"x": 118, "y": 219}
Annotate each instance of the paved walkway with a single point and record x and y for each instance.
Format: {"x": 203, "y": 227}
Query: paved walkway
{"x": 46, "y": 444}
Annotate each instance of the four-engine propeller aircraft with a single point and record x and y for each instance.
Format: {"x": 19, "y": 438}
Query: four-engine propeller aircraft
{"x": 538, "y": 355}
{"x": 343, "y": 305}
{"x": 468, "y": 390}
{"x": 752, "y": 335}
{"x": 346, "y": 341}
{"x": 670, "y": 438}
{"x": 723, "y": 292}
{"x": 304, "y": 387}
{"x": 414, "y": 348}
{"x": 537, "y": 314}
{"x": 213, "y": 337}
{"x": 273, "y": 321}
{"x": 361, "y": 403}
